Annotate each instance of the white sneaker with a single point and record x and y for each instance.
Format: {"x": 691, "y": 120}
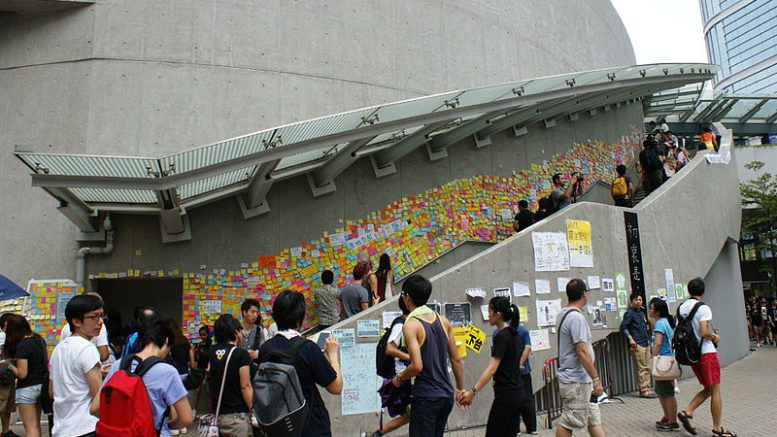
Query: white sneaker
{"x": 184, "y": 430}
{"x": 174, "y": 432}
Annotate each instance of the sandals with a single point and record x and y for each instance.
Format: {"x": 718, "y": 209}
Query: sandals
{"x": 723, "y": 433}
{"x": 685, "y": 419}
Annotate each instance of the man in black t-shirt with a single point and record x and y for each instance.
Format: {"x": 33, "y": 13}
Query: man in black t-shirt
{"x": 651, "y": 160}
{"x": 524, "y": 218}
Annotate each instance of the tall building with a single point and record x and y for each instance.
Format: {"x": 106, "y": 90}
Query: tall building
{"x": 742, "y": 38}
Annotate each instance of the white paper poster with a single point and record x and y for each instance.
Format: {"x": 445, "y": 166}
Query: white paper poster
{"x": 594, "y": 282}
{"x": 608, "y": 284}
{"x": 610, "y": 304}
{"x": 484, "y": 312}
{"x": 547, "y": 310}
{"x": 542, "y": 286}
{"x": 670, "y": 289}
{"x": 540, "y": 339}
{"x": 521, "y": 289}
{"x": 360, "y": 383}
{"x": 389, "y": 316}
{"x": 367, "y": 328}
{"x": 562, "y": 284}
{"x": 551, "y": 253}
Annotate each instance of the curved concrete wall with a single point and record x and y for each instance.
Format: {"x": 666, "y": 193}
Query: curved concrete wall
{"x": 148, "y": 77}
{"x": 691, "y": 224}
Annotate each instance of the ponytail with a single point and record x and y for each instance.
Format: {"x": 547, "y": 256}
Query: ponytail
{"x": 515, "y": 318}
{"x": 510, "y": 313}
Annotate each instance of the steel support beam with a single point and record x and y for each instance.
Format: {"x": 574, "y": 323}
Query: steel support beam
{"x": 253, "y": 201}
{"x": 341, "y": 161}
{"x": 442, "y": 141}
{"x": 720, "y": 113}
{"x": 403, "y": 147}
{"x": 76, "y": 210}
{"x": 713, "y": 106}
{"x": 524, "y": 115}
{"x": 754, "y": 110}
{"x": 772, "y": 118}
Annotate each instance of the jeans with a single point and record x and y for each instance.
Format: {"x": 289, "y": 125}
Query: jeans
{"x": 429, "y": 416}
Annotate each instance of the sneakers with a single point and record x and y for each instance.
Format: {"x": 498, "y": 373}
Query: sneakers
{"x": 174, "y": 432}
{"x": 10, "y": 433}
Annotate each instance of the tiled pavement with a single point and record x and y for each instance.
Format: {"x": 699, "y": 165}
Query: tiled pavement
{"x": 749, "y": 399}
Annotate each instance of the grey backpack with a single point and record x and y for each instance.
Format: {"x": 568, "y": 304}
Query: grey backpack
{"x": 279, "y": 404}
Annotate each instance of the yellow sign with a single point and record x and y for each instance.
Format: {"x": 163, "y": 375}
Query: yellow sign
{"x": 581, "y": 252}
{"x": 524, "y": 312}
{"x": 475, "y": 338}
{"x": 460, "y": 334}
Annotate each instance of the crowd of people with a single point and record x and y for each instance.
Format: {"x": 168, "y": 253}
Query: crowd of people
{"x": 762, "y": 320}
{"x": 87, "y": 390}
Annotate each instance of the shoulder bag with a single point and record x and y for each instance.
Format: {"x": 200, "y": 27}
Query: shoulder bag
{"x": 209, "y": 423}
{"x": 665, "y": 368}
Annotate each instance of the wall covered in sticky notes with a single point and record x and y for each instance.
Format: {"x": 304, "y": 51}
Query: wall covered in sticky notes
{"x": 413, "y": 229}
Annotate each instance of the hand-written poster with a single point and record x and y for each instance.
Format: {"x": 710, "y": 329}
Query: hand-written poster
{"x": 581, "y": 252}
{"x": 360, "y": 382}
{"x": 551, "y": 253}
{"x": 547, "y": 310}
{"x": 540, "y": 339}
{"x": 562, "y": 284}
{"x": 346, "y": 337}
{"x": 62, "y": 300}
{"x": 594, "y": 282}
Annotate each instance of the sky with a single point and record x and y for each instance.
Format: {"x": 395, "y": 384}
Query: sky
{"x": 664, "y": 30}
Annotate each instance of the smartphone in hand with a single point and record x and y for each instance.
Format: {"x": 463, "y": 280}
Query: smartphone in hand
{"x": 322, "y": 336}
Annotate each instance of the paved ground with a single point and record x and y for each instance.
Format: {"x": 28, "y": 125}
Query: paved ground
{"x": 749, "y": 387}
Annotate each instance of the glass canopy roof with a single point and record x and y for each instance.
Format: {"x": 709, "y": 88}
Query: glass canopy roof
{"x": 122, "y": 184}
{"x": 694, "y": 104}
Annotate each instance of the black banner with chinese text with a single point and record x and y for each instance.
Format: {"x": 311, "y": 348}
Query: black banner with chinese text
{"x": 636, "y": 270}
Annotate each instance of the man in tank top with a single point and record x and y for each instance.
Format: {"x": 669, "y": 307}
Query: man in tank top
{"x": 430, "y": 343}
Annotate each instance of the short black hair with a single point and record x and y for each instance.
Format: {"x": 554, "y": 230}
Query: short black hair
{"x": 696, "y": 287}
{"x": 248, "y": 303}
{"x": 555, "y": 177}
{"x": 156, "y": 330}
{"x": 575, "y": 290}
{"x": 418, "y": 288}
{"x": 4, "y": 319}
{"x": 621, "y": 169}
{"x": 523, "y": 204}
{"x": 289, "y": 310}
{"x": 80, "y": 305}
{"x": 225, "y": 329}
{"x": 327, "y": 277}
{"x": 634, "y": 296}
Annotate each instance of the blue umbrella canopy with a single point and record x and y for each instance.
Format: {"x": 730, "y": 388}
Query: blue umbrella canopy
{"x": 9, "y": 290}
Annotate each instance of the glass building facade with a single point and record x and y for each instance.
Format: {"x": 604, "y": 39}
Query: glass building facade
{"x": 741, "y": 37}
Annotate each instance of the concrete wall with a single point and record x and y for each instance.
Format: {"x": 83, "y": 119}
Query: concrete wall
{"x": 684, "y": 226}
{"x": 148, "y": 77}
{"x": 222, "y": 238}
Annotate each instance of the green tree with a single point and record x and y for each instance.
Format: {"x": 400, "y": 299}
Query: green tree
{"x": 759, "y": 218}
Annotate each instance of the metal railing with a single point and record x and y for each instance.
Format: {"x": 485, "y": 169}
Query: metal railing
{"x": 615, "y": 367}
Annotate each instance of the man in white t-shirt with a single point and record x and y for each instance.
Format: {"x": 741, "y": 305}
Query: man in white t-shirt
{"x": 75, "y": 368}
{"x": 101, "y": 340}
{"x": 707, "y": 370}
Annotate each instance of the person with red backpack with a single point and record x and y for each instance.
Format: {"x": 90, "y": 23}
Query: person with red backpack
{"x": 139, "y": 390}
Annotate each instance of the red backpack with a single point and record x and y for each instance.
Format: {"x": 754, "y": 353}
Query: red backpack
{"x": 125, "y": 409}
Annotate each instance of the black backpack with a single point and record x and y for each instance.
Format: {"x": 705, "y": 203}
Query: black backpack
{"x": 384, "y": 363}
{"x": 686, "y": 346}
{"x": 279, "y": 404}
{"x": 552, "y": 205}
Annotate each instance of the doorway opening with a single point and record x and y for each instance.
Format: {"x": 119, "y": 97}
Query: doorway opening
{"x": 122, "y": 296}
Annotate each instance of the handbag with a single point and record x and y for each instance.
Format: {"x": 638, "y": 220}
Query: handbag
{"x": 209, "y": 423}
{"x": 665, "y": 368}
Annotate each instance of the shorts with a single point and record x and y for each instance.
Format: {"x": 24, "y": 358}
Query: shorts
{"x": 235, "y": 425}
{"x": 577, "y": 412}
{"x": 7, "y": 398}
{"x": 664, "y": 389}
{"x": 28, "y": 395}
{"x": 707, "y": 370}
